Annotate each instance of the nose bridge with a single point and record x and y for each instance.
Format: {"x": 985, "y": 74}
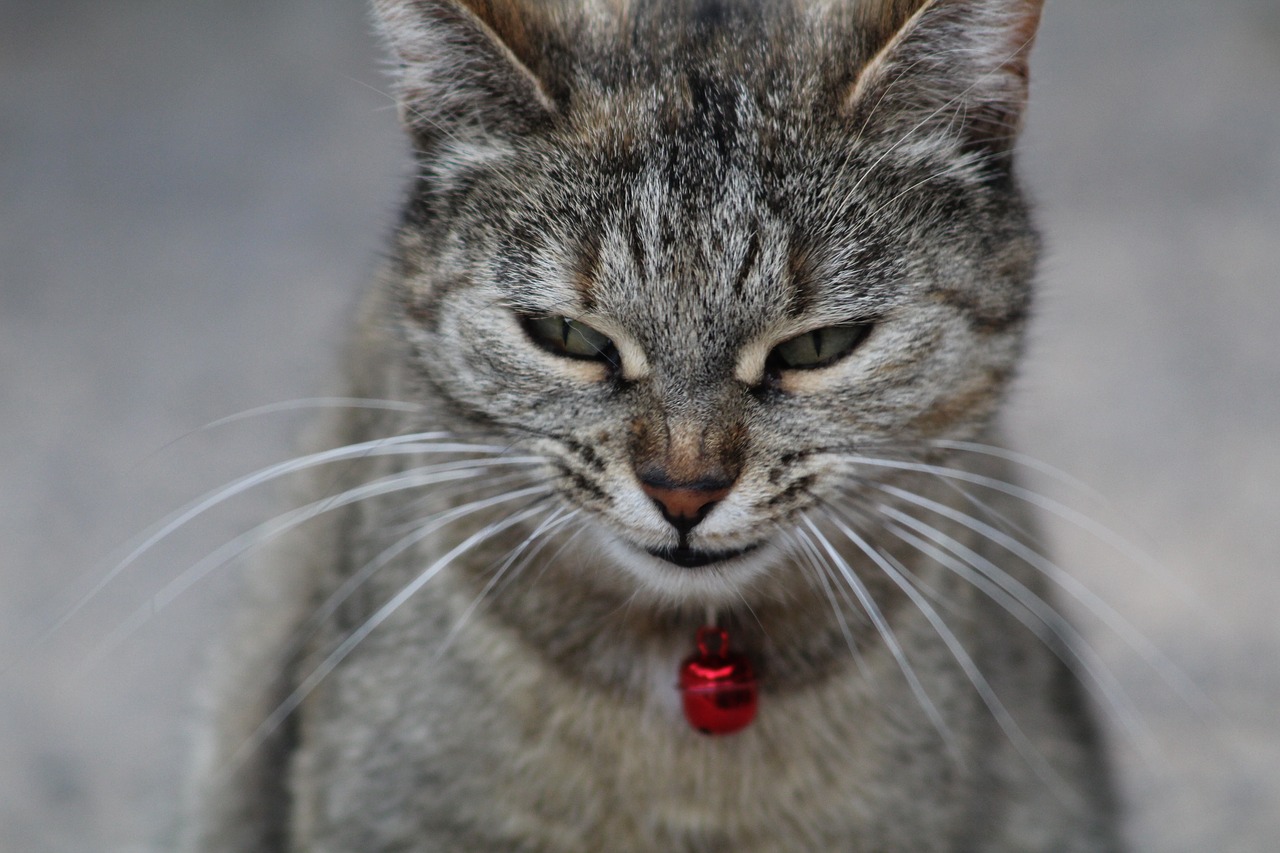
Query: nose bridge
{"x": 695, "y": 440}
{"x": 702, "y": 449}
{"x": 688, "y": 460}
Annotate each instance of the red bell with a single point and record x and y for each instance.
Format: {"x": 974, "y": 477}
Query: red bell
{"x": 719, "y": 688}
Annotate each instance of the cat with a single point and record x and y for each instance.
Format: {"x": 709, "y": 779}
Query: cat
{"x": 699, "y": 314}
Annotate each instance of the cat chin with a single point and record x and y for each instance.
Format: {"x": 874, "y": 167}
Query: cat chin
{"x": 700, "y": 578}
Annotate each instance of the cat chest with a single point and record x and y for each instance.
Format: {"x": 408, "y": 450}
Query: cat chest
{"x": 497, "y": 753}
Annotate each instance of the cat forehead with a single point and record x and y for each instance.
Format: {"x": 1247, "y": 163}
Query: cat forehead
{"x": 740, "y": 213}
{"x": 717, "y": 269}
{"x": 725, "y": 210}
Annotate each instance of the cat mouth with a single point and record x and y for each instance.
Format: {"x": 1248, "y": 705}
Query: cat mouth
{"x": 692, "y": 558}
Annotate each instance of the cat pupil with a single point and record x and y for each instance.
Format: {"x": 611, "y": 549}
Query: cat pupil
{"x": 819, "y": 347}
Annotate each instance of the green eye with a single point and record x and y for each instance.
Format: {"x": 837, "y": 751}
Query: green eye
{"x": 570, "y": 338}
{"x": 818, "y": 348}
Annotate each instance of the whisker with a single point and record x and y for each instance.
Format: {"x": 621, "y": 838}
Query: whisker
{"x": 1025, "y": 461}
{"x": 997, "y": 517}
{"x": 395, "y": 445}
{"x": 751, "y": 611}
{"x": 872, "y": 610}
{"x": 405, "y": 104}
{"x": 1091, "y": 494}
{"x": 558, "y": 519}
{"x": 823, "y": 572}
{"x": 949, "y": 169}
{"x": 1114, "y": 620}
{"x": 339, "y": 654}
{"x": 833, "y": 171}
{"x": 896, "y": 573}
{"x": 1072, "y": 648}
{"x": 1079, "y": 519}
{"x": 409, "y": 517}
{"x": 581, "y": 524}
{"x": 426, "y": 527}
{"x": 293, "y": 406}
{"x": 259, "y": 535}
{"x": 904, "y": 73}
{"x": 575, "y": 518}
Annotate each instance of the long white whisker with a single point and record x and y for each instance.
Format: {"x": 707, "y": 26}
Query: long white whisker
{"x": 903, "y": 74}
{"x": 996, "y": 516}
{"x": 575, "y": 519}
{"x": 425, "y": 528}
{"x": 427, "y": 475}
{"x": 1025, "y": 461}
{"x": 395, "y": 445}
{"x": 1079, "y": 519}
{"x": 895, "y": 572}
{"x": 823, "y": 571}
{"x": 950, "y": 168}
{"x": 402, "y": 103}
{"x": 293, "y": 406}
{"x": 245, "y": 542}
{"x": 581, "y": 524}
{"x": 872, "y": 610}
{"x": 1136, "y": 553}
{"x": 339, "y": 654}
{"x": 1072, "y": 647}
{"x": 411, "y": 517}
{"x": 1073, "y": 587}
{"x": 833, "y": 172}
{"x": 225, "y": 554}
{"x": 558, "y": 519}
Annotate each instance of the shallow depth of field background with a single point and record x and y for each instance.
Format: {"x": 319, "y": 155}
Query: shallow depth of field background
{"x": 193, "y": 193}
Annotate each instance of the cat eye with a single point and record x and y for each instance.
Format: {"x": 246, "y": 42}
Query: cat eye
{"x": 818, "y": 348}
{"x": 571, "y": 338}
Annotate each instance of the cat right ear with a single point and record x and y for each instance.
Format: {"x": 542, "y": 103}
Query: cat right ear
{"x": 467, "y": 67}
{"x": 952, "y": 68}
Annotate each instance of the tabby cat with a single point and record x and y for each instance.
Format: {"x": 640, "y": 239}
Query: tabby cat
{"x": 699, "y": 312}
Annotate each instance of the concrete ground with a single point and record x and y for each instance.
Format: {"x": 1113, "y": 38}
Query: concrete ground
{"x": 191, "y": 195}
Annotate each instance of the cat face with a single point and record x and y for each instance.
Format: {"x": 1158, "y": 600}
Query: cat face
{"x": 705, "y": 281}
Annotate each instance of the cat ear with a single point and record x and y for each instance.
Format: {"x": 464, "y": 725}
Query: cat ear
{"x": 467, "y": 65}
{"x": 955, "y": 68}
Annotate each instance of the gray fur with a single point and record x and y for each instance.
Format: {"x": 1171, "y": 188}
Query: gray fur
{"x": 699, "y": 180}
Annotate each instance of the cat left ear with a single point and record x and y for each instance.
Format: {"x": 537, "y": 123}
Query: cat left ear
{"x": 467, "y": 65}
{"x": 955, "y": 68}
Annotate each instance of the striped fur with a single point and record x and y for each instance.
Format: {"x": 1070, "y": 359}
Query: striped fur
{"x": 699, "y": 181}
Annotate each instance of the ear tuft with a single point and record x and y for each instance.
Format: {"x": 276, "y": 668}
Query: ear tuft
{"x": 955, "y": 67}
{"x": 467, "y": 65}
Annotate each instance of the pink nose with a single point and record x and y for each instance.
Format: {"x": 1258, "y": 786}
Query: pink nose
{"x": 685, "y": 507}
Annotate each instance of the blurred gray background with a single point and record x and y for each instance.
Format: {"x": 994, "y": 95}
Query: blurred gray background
{"x": 192, "y": 194}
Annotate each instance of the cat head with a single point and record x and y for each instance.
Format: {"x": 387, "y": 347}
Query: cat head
{"x": 705, "y": 255}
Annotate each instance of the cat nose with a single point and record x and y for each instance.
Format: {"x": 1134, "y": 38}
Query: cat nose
{"x": 684, "y": 505}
